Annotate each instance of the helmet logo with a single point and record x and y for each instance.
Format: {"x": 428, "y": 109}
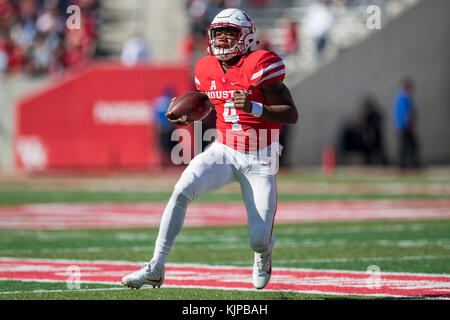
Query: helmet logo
{"x": 246, "y": 16}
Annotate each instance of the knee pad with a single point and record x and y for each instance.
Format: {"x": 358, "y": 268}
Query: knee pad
{"x": 180, "y": 198}
{"x": 186, "y": 187}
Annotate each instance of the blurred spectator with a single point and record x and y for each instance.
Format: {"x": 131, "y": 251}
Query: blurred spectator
{"x": 199, "y": 19}
{"x": 290, "y": 44}
{"x": 41, "y": 56}
{"x": 201, "y": 13}
{"x": 233, "y": 3}
{"x": 264, "y": 41}
{"x": 186, "y": 48}
{"x": 213, "y": 8}
{"x": 34, "y": 38}
{"x": 259, "y": 3}
{"x": 165, "y": 127}
{"x": 135, "y": 51}
{"x": 352, "y": 138}
{"x": 3, "y": 61}
{"x": 373, "y": 132}
{"x": 405, "y": 121}
{"x": 5, "y": 51}
{"x": 317, "y": 23}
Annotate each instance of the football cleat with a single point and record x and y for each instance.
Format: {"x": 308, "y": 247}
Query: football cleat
{"x": 262, "y": 268}
{"x": 150, "y": 273}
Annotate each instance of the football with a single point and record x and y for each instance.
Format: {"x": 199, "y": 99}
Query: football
{"x": 194, "y": 104}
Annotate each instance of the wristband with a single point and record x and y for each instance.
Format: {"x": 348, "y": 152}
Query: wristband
{"x": 257, "y": 109}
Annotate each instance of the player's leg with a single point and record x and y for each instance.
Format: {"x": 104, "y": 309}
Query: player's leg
{"x": 260, "y": 197}
{"x": 260, "y": 227}
{"x": 205, "y": 173}
{"x": 259, "y": 191}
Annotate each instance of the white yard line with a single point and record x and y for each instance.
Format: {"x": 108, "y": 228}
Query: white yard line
{"x": 195, "y": 276}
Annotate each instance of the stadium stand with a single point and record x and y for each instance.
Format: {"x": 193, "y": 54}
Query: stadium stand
{"x": 34, "y": 37}
{"x": 34, "y": 44}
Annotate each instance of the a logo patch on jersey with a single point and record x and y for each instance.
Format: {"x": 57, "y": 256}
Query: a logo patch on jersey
{"x": 213, "y": 85}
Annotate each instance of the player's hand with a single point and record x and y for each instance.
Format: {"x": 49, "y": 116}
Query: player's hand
{"x": 242, "y": 102}
{"x": 181, "y": 121}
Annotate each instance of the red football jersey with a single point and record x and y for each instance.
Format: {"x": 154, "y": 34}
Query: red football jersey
{"x": 236, "y": 128}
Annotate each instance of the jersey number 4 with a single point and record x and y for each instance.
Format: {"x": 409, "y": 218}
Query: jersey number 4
{"x": 230, "y": 115}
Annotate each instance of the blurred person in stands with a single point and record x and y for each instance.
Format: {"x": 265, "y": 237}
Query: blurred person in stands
{"x": 290, "y": 44}
{"x": 352, "y": 139}
{"x": 46, "y": 51}
{"x": 23, "y": 30}
{"x": 317, "y": 24}
{"x": 4, "y": 54}
{"x": 197, "y": 11}
{"x": 405, "y": 121}
{"x": 259, "y": 3}
{"x": 233, "y": 3}
{"x": 41, "y": 56}
{"x": 37, "y": 40}
{"x": 16, "y": 59}
{"x": 3, "y": 62}
{"x": 22, "y": 33}
{"x": 373, "y": 132}
{"x": 186, "y": 48}
{"x": 135, "y": 51}
{"x": 165, "y": 127}
{"x": 80, "y": 44}
{"x": 264, "y": 42}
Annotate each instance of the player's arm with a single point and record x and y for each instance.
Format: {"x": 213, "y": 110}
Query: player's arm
{"x": 280, "y": 108}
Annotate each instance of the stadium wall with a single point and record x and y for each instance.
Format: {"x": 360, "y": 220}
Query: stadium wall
{"x": 11, "y": 88}
{"x": 416, "y": 45}
{"x": 101, "y": 117}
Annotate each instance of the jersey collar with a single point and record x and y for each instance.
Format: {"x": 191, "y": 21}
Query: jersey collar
{"x": 238, "y": 64}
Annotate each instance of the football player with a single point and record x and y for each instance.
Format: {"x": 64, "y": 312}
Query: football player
{"x": 251, "y": 101}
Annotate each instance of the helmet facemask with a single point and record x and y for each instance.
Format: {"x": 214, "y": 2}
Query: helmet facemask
{"x": 242, "y": 45}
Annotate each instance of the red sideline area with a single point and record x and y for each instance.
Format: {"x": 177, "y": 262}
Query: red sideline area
{"x": 239, "y": 278}
{"x": 62, "y": 216}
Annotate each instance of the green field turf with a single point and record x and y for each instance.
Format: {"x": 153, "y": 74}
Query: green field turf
{"x": 421, "y": 246}
{"x": 394, "y": 246}
{"x": 28, "y": 197}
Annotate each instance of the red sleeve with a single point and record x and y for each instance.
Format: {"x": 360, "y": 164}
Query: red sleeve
{"x": 197, "y": 83}
{"x": 200, "y": 73}
{"x": 196, "y": 79}
{"x": 269, "y": 68}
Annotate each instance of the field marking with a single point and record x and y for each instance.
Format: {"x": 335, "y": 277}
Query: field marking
{"x": 206, "y": 288}
{"x": 120, "y": 215}
{"x": 59, "y": 290}
{"x": 444, "y": 243}
{"x": 237, "y": 278}
{"x": 361, "y": 259}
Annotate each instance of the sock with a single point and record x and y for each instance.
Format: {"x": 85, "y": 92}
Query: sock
{"x": 171, "y": 224}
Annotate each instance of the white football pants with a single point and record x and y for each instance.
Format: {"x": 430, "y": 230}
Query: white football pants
{"x": 214, "y": 168}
